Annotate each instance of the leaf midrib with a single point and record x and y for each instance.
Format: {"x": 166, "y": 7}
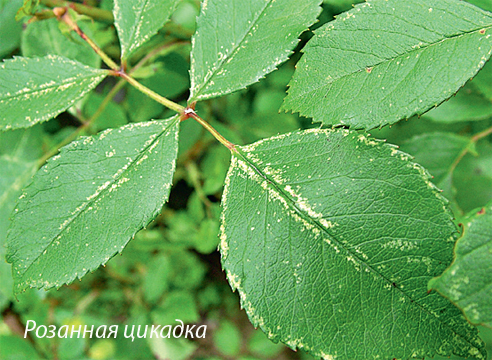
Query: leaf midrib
{"x": 87, "y": 203}
{"x": 385, "y": 60}
{"x": 196, "y": 96}
{"x": 74, "y": 80}
{"x": 275, "y": 185}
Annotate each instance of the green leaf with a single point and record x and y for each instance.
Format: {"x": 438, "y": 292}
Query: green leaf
{"x": 438, "y": 153}
{"x": 136, "y": 21}
{"x": 483, "y": 80}
{"x": 469, "y": 104}
{"x": 484, "y": 4}
{"x": 42, "y": 38}
{"x": 112, "y": 116}
{"x": 176, "y": 349}
{"x": 329, "y": 253}
{"x": 10, "y": 30}
{"x": 467, "y": 281}
{"x": 19, "y": 154}
{"x": 177, "y": 305}
{"x": 87, "y": 202}
{"x": 387, "y": 60}
{"x": 227, "y": 339}
{"x": 35, "y": 90}
{"x": 226, "y": 53}
{"x": 473, "y": 178}
{"x": 261, "y": 346}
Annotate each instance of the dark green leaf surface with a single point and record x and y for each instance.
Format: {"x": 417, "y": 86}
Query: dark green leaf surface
{"x": 467, "y": 282}
{"x": 329, "y": 253}
{"x": 10, "y": 30}
{"x": 136, "y": 21}
{"x": 34, "y": 90}
{"x": 387, "y": 60}
{"x": 87, "y": 202}
{"x": 42, "y": 38}
{"x": 239, "y": 42}
{"x": 469, "y": 104}
{"x": 484, "y": 4}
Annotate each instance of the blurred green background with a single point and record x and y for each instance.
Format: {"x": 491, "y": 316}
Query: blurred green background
{"x": 171, "y": 270}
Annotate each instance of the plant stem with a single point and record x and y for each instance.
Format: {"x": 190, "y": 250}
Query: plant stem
{"x": 474, "y": 139}
{"x": 185, "y": 113}
{"x": 119, "y": 85}
{"x": 95, "y": 13}
{"x": 73, "y": 26}
{"x": 160, "y": 99}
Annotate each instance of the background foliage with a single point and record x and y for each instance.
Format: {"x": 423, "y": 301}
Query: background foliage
{"x": 172, "y": 269}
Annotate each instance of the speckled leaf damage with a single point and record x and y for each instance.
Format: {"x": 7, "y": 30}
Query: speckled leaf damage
{"x": 330, "y": 238}
{"x": 37, "y": 89}
{"x": 87, "y": 202}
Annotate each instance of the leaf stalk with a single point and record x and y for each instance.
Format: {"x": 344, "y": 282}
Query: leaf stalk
{"x": 63, "y": 15}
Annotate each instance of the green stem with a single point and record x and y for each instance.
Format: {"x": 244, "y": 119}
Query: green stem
{"x": 482, "y": 134}
{"x": 160, "y": 99}
{"x": 191, "y": 113}
{"x": 119, "y": 85}
{"x": 95, "y": 13}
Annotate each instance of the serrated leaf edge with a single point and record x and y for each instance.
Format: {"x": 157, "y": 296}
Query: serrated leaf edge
{"x": 51, "y": 86}
{"x": 19, "y": 287}
{"x": 270, "y": 184}
{"x": 195, "y": 89}
{"x": 469, "y": 218}
{"x": 126, "y": 52}
{"x": 284, "y": 107}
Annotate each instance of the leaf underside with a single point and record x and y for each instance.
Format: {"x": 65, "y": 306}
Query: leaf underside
{"x": 467, "y": 281}
{"x": 328, "y": 254}
{"x": 239, "y": 42}
{"x": 38, "y": 89}
{"x": 87, "y": 202}
{"x": 387, "y": 60}
{"x": 137, "y": 21}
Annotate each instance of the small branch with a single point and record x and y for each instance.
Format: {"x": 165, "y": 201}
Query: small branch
{"x": 95, "y": 13}
{"x": 474, "y": 139}
{"x": 63, "y": 15}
